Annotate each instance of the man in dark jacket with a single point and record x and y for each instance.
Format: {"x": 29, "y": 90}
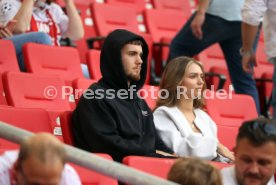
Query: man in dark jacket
{"x": 110, "y": 117}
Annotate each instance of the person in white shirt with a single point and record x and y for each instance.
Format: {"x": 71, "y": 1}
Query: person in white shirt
{"x": 178, "y": 118}
{"x": 255, "y": 154}
{"x": 253, "y": 12}
{"x": 41, "y": 160}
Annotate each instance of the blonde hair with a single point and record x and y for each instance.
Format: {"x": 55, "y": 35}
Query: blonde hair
{"x": 172, "y": 77}
{"x": 193, "y": 171}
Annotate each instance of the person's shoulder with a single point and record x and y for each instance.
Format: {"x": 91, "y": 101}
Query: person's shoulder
{"x": 70, "y": 176}
{"x": 165, "y": 109}
{"x": 7, "y": 159}
{"x": 202, "y": 113}
{"x": 228, "y": 176}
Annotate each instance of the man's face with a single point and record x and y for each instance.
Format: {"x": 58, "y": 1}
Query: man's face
{"x": 34, "y": 172}
{"x": 132, "y": 61}
{"x": 254, "y": 165}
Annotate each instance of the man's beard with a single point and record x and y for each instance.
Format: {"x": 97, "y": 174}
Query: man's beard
{"x": 134, "y": 78}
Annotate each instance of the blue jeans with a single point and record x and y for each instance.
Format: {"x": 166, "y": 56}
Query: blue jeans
{"x": 21, "y": 39}
{"x": 228, "y": 35}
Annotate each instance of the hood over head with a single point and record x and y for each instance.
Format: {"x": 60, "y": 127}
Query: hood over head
{"x": 111, "y": 61}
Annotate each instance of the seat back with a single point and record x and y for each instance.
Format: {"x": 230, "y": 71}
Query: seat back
{"x": 154, "y": 166}
{"x": 63, "y": 62}
{"x": 89, "y": 177}
{"x": 93, "y": 63}
{"x": 36, "y": 91}
{"x": 150, "y": 94}
{"x": 138, "y": 4}
{"x": 3, "y": 100}
{"x": 8, "y": 60}
{"x": 83, "y": 8}
{"x": 66, "y": 127}
{"x": 80, "y": 85}
{"x": 230, "y": 109}
{"x": 161, "y": 24}
{"x": 109, "y": 17}
{"x": 31, "y": 119}
{"x": 212, "y": 57}
{"x": 174, "y": 5}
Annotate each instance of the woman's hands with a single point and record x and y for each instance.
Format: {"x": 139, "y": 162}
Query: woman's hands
{"x": 225, "y": 152}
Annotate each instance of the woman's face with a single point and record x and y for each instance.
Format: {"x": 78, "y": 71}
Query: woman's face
{"x": 193, "y": 81}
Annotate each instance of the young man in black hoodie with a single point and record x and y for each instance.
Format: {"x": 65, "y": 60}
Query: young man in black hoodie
{"x": 110, "y": 117}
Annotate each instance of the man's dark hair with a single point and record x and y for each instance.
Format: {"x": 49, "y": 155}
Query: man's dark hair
{"x": 136, "y": 42}
{"x": 258, "y": 131}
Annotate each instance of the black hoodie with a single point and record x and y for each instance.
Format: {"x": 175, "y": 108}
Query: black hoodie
{"x": 119, "y": 127}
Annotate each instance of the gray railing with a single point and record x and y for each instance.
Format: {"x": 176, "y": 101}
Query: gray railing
{"x": 90, "y": 161}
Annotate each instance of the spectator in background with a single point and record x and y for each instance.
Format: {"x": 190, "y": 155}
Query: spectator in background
{"x": 193, "y": 171}
{"x": 110, "y": 117}
{"x": 255, "y": 155}
{"x": 181, "y": 123}
{"x": 217, "y": 21}
{"x": 252, "y": 13}
{"x": 39, "y": 16}
{"x": 41, "y": 160}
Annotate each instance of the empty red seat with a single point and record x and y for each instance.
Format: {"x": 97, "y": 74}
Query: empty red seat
{"x": 80, "y": 85}
{"x": 229, "y": 112}
{"x": 139, "y": 5}
{"x": 66, "y": 127}
{"x": 90, "y": 177}
{"x": 31, "y": 119}
{"x": 64, "y": 62}
{"x": 154, "y": 166}
{"x": 150, "y": 94}
{"x": 93, "y": 63}
{"x": 109, "y": 17}
{"x": 8, "y": 60}
{"x": 36, "y": 91}
{"x": 174, "y": 5}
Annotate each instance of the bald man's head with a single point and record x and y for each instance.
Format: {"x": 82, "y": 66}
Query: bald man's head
{"x": 41, "y": 160}
{"x": 43, "y": 146}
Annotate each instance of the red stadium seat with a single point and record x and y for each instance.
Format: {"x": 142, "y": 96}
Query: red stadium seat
{"x": 80, "y": 85}
{"x": 31, "y": 119}
{"x": 36, "y": 91}
{"x": 66, "y": 127}
{"x": 83, "y": 7}
{"x": 150, "y": 94}
{"x": 109, "y": 17}
{"x": 3, "y": 100}
{"x": 174, "y": 5}
{"x": 64, "y": 62}
{"x": 139, "y": 5}
{"x": 162, "y": 26}
{"x": 89, "y": 177}
{"x": 93, "y": 63}
{"x": 230, "y": 110}
{"x": 8, "y": 60}
{"x": 154, "y": 166}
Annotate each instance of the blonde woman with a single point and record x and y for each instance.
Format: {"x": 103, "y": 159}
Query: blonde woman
{"x": 179, "y": 119}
